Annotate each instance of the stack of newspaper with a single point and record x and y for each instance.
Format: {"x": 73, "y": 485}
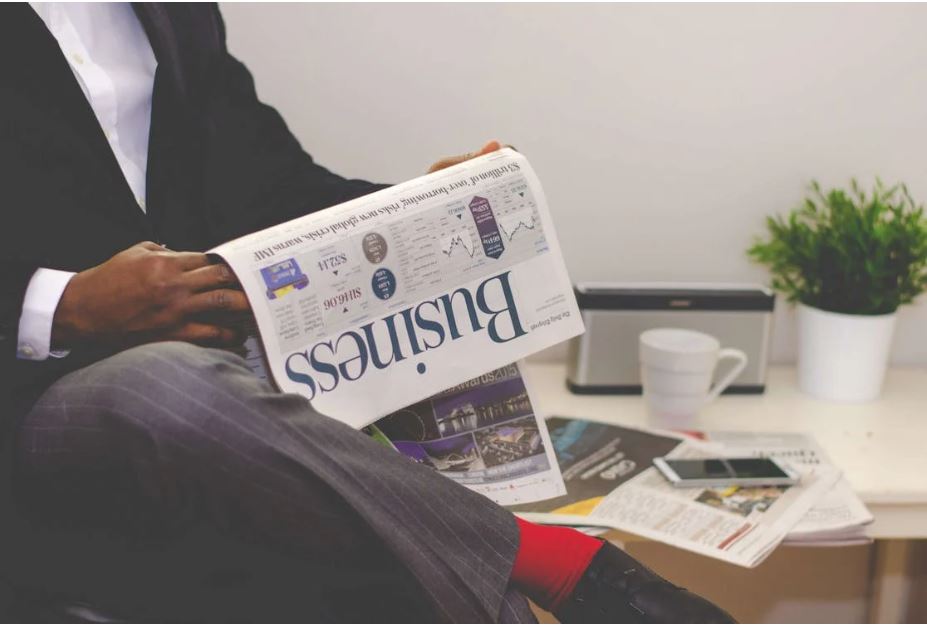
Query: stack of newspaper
{"x": 402, "y": 312}
{"x": 610, "y": 481}
{"x": 838, "y": 518}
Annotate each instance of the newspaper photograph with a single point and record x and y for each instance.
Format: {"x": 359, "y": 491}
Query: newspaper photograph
{"x": 484, "y": 434}
{"x": 610, "y": 481}
{"x": 381, "y": 302}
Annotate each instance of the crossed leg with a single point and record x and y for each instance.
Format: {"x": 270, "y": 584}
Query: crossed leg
{"x": 168, "y": 482}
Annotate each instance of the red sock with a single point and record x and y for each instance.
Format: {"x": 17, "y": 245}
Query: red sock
{"x": 550, "y": 561}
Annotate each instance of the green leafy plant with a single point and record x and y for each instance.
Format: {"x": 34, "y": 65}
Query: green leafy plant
{"x": 848, "y": 251}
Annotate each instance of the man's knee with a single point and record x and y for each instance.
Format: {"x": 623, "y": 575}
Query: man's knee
{"x": 175, "y": 356}
{"x": 179, "y": 398}
{"x": 171, "y": 363}
{"x": 148, "y": 382}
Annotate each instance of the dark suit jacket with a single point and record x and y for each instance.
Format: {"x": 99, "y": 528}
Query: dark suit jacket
{"x": 221, "y": 164}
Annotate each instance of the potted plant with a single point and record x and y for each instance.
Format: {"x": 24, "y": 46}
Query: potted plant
{"x": 849, "y": 259}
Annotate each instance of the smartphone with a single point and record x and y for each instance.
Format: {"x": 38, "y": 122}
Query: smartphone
{"x": 685, "y": 473}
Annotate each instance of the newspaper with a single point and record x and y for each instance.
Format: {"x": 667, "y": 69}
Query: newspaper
{"x": 838, "y": 518}
{"x": 484, "y": 434}
{"x": 381, "y": 302}
{"x": 610, "y": 481}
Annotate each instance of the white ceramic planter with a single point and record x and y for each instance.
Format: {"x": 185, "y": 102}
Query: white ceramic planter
{"x": 843, "y": 357}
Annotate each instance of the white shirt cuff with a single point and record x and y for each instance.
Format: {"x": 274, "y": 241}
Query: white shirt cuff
{"x": 35, "y": 323}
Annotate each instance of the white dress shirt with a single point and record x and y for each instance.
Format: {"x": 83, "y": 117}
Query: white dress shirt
{"x": 112, "y": 60}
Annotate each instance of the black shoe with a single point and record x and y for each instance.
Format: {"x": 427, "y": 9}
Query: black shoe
{"x": 616, "y": 588}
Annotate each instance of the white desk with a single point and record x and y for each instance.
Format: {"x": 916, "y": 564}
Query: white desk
{"x": 880, "y": 446}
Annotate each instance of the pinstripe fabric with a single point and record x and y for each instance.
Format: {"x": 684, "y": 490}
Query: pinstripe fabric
{"x": 163, "y": 438}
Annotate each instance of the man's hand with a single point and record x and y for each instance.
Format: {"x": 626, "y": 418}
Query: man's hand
{"x": 148, "y": 293}
{"x": 492, "y": 146}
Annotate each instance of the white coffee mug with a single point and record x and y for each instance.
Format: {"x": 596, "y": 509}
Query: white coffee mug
{"x": 677, "y": 367}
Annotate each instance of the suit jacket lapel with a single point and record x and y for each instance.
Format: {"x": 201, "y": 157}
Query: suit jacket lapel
{"x": 157, "y": 24}
{"x": 167, "y": 176}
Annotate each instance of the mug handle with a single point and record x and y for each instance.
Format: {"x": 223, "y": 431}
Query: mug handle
{"x": 727, "y": 353}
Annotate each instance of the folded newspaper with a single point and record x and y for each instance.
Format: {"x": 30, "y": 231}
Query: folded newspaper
{"x": 610, "y": 481}
{"x": 372, "y": 305}
{"x": 376, "y": 305}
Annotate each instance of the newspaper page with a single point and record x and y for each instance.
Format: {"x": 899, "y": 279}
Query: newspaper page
{"x": 838, "y": 518}
{"x": 610, "y": 481}
{"x": 485, "y": 434}
{"x": 378, "y": 303}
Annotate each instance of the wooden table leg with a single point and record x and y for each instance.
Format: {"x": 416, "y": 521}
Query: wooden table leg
{"x": 891, "y": 581}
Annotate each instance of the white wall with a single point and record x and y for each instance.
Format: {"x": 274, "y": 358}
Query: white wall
{"x": 663, "y": 133}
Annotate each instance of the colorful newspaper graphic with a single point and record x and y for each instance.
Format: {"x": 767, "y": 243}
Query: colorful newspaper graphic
{"x": 487, "y": 227}
{"x": 378, "y": 303}
{"x": 610, "y": 481}
{"x": 484, "y": 434}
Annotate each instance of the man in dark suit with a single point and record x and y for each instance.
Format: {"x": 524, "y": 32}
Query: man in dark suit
{"x": 147, "y": 472}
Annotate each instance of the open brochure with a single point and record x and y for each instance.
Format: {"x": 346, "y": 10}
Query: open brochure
{"x": 376, "y": 304}
{"x": 610, "y": 481}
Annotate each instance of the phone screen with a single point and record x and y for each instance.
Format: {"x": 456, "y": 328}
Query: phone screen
{"x": 719, "y": 468}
